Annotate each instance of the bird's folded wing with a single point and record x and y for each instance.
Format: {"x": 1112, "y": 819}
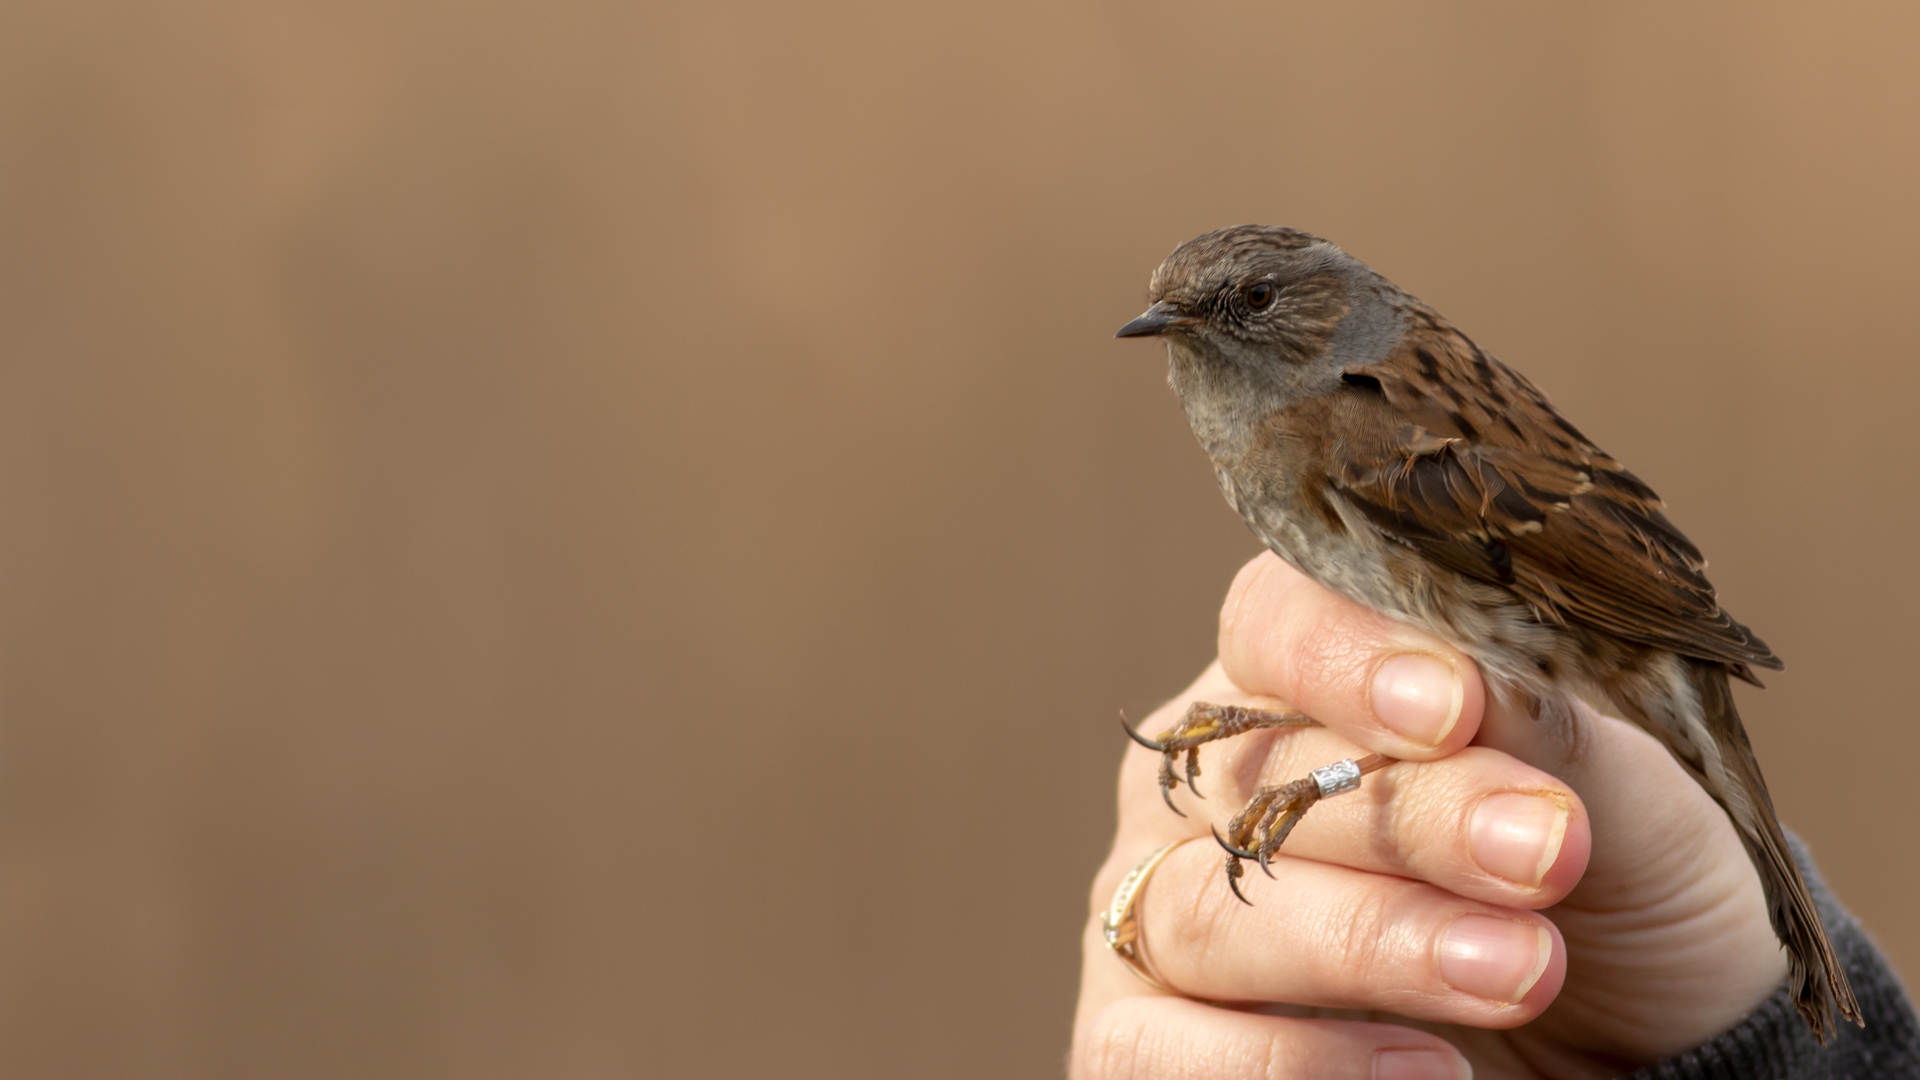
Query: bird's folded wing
{"x": 1491, "y": 482}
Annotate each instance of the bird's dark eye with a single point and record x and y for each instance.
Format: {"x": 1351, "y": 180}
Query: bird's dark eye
{"x": 1259, "y": 295}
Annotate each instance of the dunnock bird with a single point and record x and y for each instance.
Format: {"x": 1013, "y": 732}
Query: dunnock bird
{"x": 1375, "y": 447}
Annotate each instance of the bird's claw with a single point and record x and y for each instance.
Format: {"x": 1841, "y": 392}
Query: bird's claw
{"x": 1257, "y": 831}
{"x": 1166, "y": 796}
{"x": 1204, "y": 723}
{"x": 1228, "y": 847}
{"x": 1157, "y": 748}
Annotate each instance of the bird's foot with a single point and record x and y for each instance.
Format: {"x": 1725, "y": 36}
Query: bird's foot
{"x": 1203, "y": 724}
{"x": 1258, "y": 830}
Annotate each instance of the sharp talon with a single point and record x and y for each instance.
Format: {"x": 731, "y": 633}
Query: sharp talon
{"x": 1262, "y": 860}
{"x": 1139, "y": 738}
{"x": 1229, "y": 848}
{"x": 1193, "y": 770}
{"x": 1166, "y": 796}
{"x": 1237, "y": 895}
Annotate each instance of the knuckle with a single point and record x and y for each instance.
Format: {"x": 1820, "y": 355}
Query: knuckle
{"x": 1424, "y": 802}
{"x": 1198, "y": 931}
{"x": 1239, "y": 605}
{"x": 1262, "y": 575}
{"x": 1361, "y": 932}
{"x": 1325, "y": 653}
{"x": 1116, "y": 1042}
{"x": 1105, "y": 881}
{"x": 1263, "y": 1050}
{"x": 1282, "y": 1057}
{"x": 1280, "y": 634}
{"x": 1263, "y": 598}
{"x": 1134, "y": 1038}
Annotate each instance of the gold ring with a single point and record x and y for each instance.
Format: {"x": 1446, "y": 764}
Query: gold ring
{"x": 1121, "y": 926}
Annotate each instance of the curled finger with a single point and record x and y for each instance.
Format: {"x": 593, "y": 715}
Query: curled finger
{"x": 1138, "y": 1038}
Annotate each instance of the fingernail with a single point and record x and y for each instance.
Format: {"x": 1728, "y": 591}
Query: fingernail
{"x": 1420, "y": 1065}
{"x": 1494, "y": 958}
{"x": 1517, "y": 837}
{"x": 1418, "y": 697}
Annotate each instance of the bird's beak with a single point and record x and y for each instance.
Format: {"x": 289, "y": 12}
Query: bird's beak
{"x": 1162, "y": 318}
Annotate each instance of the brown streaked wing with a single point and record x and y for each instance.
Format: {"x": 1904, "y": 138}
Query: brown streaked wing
{"x": 1457, "y": 456}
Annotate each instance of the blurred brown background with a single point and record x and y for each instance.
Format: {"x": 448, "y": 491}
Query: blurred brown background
{"x": 595, "y": 539}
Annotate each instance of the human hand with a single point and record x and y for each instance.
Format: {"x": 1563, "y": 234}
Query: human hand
{"x": 1538, "y": 900}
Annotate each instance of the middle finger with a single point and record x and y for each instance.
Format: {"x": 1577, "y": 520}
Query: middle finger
{"x": 1334, "y": 937}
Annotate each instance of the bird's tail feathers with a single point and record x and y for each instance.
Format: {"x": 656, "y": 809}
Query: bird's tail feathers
{"x": 1815, "y": 977}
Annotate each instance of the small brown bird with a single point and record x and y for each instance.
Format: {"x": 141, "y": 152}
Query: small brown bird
{"x": 1380, "y": 451}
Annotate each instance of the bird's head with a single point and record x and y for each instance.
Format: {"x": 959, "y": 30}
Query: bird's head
{"x": 1254, "y": 297}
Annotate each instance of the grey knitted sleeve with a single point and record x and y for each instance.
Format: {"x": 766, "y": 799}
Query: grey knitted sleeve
{"x": 1772, "y": 1043}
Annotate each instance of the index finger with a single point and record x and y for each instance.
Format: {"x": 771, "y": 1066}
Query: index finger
{"x": 1377, "y": 682}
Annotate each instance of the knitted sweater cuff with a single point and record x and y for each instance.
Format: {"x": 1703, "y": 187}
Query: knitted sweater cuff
{"x": 1773, "y": 1043}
